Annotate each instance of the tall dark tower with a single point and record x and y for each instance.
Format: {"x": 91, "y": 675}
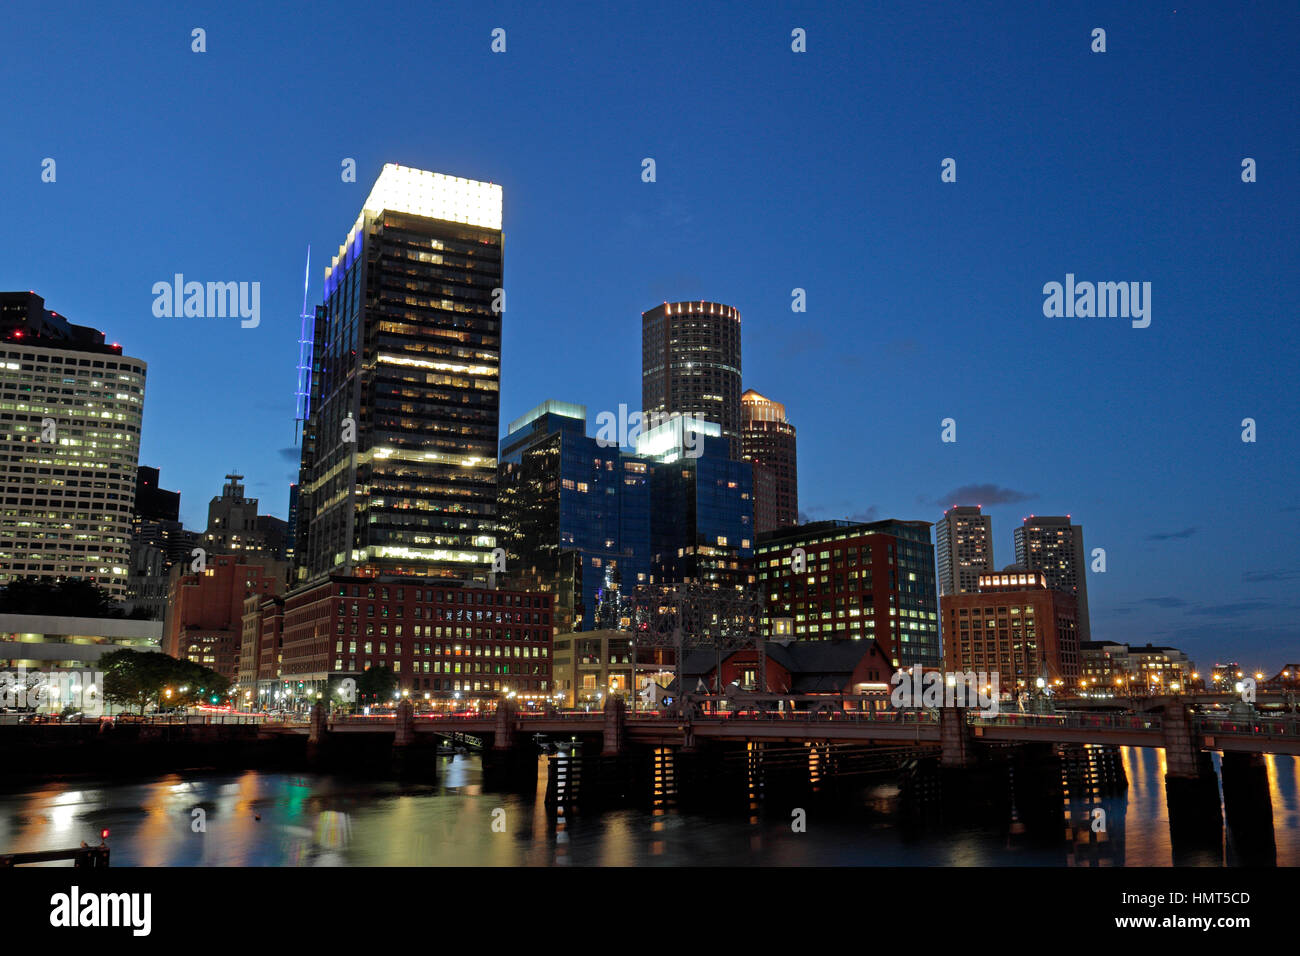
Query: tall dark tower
{"x": 769, "y": 441}
{"x": 690, "y": 364}
{"x": 399, "y": 453}
{"x": 1053, "y": 545}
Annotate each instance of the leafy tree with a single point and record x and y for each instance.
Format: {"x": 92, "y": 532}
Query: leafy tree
{"x": 69, "y": 598}
{"x": 139, "y": 678}
{"x": 376, "y": 685}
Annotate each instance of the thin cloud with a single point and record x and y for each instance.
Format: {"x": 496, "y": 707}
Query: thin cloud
{"x": 1171, "y": 535}
{"x": 984, "y": 495}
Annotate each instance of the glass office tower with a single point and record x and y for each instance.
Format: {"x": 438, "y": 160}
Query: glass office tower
{"x": 702, "y": 507}
{"x": 399, "y": 466}
{"x": 574, "y": 515}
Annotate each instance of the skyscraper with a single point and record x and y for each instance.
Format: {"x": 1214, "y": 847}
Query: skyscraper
{"x": 575, "y": 515}
{"x": 690, "y": 364}
{"x": 853, "y": 580}
{"x": 399, "y": 449}
{"x": 964, "y": 549}
{"x": 768, "y": 440}
{"x": 69, "y": 449}
{"x": 701, "y": 507}
{"x": 1053, "y": 545}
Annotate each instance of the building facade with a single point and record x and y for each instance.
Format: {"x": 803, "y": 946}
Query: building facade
{"x": 690, "y": 364}
{"x": 834, "y": 580}
{"x": 1017, "y": 626}
{"x": 1113, "y": 669}
{"x": 442, "y": 640}
{"x": 205, "y": 610}
{"x": 963, "y": 542}
{"x": 399, "y": 468}
{"x": 1051, "y": 544}
{"x": 701, "y": 507}
{"x": 769, "y": 441}
{"x": 39, "y": 642}
{"x": 71, "y": 407}
{"x": 574, "y": 513}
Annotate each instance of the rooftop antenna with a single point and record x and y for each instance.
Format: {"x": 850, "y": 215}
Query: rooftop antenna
{"x": 305, "y": 336}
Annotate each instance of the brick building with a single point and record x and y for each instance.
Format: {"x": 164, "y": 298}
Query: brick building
{"x": 1017, "y": 625}
{"x": 205, "y": 611}
{"x": 442, "y": 640}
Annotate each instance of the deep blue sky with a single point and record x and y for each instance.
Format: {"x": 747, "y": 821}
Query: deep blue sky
{"x": 776, "y": 170}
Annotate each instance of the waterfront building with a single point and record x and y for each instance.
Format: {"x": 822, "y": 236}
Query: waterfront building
{"x": 1114, "y": 669}
{"x": 205, "y": 609}
{"x": 1054, "y": 546}
{"x": 690, "y": 365}
{"x": 835, "y": 580}
{"x": 41, "y": 642}
{"x": 964, "y": 548}
{"x": 399, "y": 468}
{"x": 769, "y": 441}
{"x": 443, "y": 640}
{"x": 574, "y": 513}
{"x": 1017, "y": 626}
{"x": 701, "y": 506}
{"x": 73, "y": 407}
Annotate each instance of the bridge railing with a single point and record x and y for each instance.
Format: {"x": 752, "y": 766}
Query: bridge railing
{"x": 1072, "y": 721}
{"x": 1249, "y": 726}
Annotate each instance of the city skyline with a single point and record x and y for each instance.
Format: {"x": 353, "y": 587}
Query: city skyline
{"x": 1136, "y": 432}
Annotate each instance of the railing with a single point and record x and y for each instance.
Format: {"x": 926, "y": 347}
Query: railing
{"x": 1249, "y": 726}
{"x": 1073, "y": 721}
{"x": 54, "y": 720}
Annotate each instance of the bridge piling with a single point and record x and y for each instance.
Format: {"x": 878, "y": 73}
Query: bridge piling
{"x": 1248, "y": 809}
{"x": 1191, "y": 792}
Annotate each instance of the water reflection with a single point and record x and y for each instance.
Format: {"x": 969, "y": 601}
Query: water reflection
{"x": 266, "y": 819}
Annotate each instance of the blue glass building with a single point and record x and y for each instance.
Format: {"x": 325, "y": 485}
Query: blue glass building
{"x": 574, "y": 513}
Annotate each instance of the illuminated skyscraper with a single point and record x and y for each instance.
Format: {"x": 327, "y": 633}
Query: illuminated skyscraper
{"x": 768, "y": 440}
{"x": 1053, "y": 545}
{"x": 690, "y": 364}
{"x": 964, "y": 547}
{"x": 399, "y": 455}
{"x": 69, "y": 449}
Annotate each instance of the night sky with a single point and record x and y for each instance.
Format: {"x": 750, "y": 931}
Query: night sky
{"x": 775, "y": 170}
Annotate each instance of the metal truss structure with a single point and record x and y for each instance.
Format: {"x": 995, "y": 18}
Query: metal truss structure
{"x": 689, "y": 617}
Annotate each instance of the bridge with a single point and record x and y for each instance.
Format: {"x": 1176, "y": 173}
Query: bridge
{"x": 1181, "y": 732}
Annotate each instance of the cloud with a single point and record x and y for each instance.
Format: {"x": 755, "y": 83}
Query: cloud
{"x": 1232, "y": 610}
{"x": 1165, "y": 601}
{"x": 291, "y": 453}
{"x": 1169, "y": 535}
{"x": 837, "y": 510}
{"x": 1265, "y": 577}
{"x": 984, "y": 495}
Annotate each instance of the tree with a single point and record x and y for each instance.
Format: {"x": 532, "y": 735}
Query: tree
{"x": 376, "y": 685}
{"x": 69, "y": 598}
{"x": 138, "y": 678}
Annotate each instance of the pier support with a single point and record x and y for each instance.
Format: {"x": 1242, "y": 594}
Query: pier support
{"x": 318, "y": 735}
{"x": 955, "y": 738}
{"x": 1248, "y": 810}
{"x": 613, "y": 732}
{"x": 503, "y": 737}
{"x": 1191, "y": 792}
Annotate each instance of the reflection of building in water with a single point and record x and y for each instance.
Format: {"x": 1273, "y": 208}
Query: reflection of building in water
{"x": 1094, "y": 788}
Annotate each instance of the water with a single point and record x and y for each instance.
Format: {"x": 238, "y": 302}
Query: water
{"x": 275, "y": 819}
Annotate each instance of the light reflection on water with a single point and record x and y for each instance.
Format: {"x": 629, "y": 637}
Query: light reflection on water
{"x": 274, "y": 819}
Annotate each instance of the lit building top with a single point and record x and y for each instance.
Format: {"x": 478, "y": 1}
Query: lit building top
{"x": 419, "y": 192}
{"x": 1005, "y": 581}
